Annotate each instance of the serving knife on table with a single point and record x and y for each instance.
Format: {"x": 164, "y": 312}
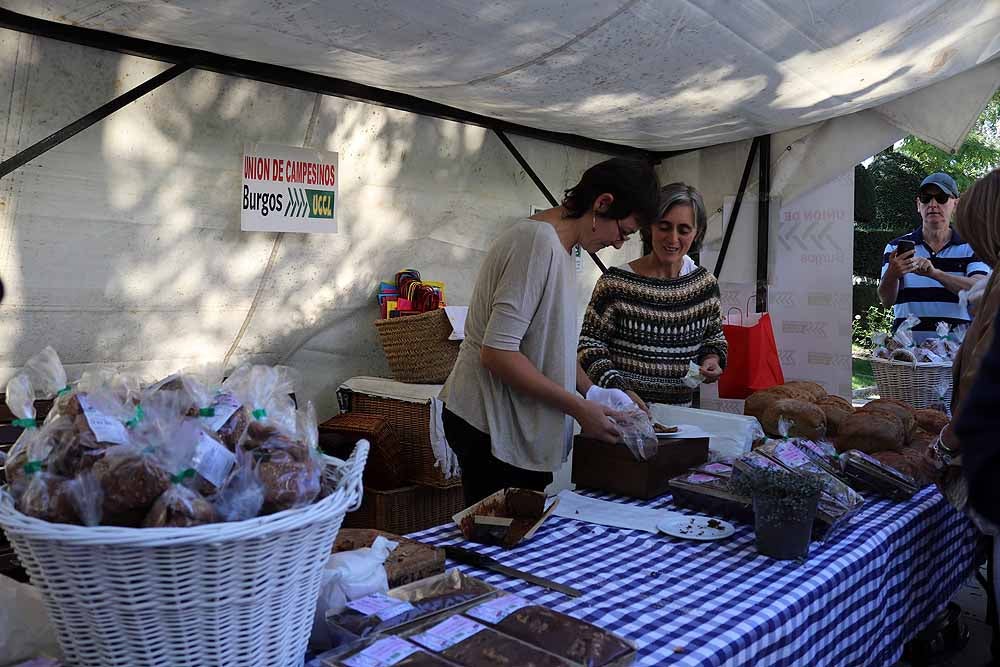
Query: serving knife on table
{"x": 484, "y": 562}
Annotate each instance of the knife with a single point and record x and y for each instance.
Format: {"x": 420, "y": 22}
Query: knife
{"x": 484, "y": 562}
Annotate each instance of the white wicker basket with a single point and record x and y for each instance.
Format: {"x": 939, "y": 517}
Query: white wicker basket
{"x": 241, "y": 593}
{"x": 916, "y": 384}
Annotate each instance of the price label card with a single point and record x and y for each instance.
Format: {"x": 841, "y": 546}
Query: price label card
{"x": 447, "y": 633}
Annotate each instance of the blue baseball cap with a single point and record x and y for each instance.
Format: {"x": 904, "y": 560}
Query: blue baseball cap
{"x": 943, "y": 181}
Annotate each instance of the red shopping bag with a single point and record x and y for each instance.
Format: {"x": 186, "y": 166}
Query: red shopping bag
{"x": 752, "y": 363}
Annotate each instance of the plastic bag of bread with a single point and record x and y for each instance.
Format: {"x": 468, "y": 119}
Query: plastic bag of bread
{"x": 243, "y": 494}
{"x": 637, "y": 432}
{"x": 174, "y": 437}
{"x": 100, "y": 417}
{"x": 52, "y": 497}
{"x": 870, "y": 432}
{"x": 904, "y": 334}
{"x": 289, "y": 469}
{"x": 132, "y": 475}
{"x": 941, "y": 402}
{"x": 48, "y": 377}
{"x": 805, "y": 420}
{"x": 21, "y": 402}
{"x": 265, "y": 391}
{"x": 836, "y": 410}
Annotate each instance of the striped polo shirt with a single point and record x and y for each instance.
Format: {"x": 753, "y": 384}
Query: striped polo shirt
{"x": 925, "y": 297}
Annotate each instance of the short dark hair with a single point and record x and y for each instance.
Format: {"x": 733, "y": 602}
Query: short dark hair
{"x": 671, "y": 195}
{"x": 633, "y": 184}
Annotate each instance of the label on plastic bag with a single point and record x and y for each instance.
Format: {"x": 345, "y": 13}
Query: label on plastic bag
{"x": 383, "y": 653}
{"x": 224, "y": 406}
{"x": 790, "y": 455}
{"x": 447, "y": 633}
{"x": 105, "y": 427}
{"x": 212, "y": 460}
{"x": 699, "y": 478}
{"x": 497, "y": 609}
{"x": 381, "y": 605}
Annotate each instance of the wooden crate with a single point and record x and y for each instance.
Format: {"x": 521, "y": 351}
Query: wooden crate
{"x": 613, "y": 468}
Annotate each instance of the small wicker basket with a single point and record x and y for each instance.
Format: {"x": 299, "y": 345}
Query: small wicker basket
{"x": 920, "y": 385}
{"x": 417, "y": 347}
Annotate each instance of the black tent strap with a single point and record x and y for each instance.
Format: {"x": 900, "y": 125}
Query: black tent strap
{"x": 294, "y": 78}
{"x": 763, "y": 221}
{"x": 736, "y": 208}
{"x": 81, "y": 124}
{"x": 540, "y": 185}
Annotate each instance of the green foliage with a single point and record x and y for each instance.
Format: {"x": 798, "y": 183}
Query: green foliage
{"x": 864, "y": 198}
{"x": 875, "y": 320}
{"x": 869, "y": 247}
{"x": 786, "y": 496}
{"x": 897, "y": 178}
{"x": 978, "y": 155}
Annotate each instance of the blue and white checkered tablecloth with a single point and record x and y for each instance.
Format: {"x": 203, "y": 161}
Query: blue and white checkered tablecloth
{"x": 856, "y": 600}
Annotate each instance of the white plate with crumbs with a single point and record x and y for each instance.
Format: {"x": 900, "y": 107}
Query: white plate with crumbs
{"x": 696, "y": 528}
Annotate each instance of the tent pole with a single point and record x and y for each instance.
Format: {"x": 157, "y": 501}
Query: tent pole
{"x": 763, "y": 221}
{"x": 736, "y": 208}
{"x": 100, "y": 113}
{"x": 539, "y": 184}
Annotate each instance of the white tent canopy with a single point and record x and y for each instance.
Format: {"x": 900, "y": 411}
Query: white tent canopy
{"x": 122, "y": 246}
{"x": 652, "y": 74}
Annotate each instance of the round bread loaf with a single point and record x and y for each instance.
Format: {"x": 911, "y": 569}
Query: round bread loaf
{"x": 870, "y": 432}
{"x": 48, "y": 497}
{"x": 131, "y": 483}
{"x": 901, "y": 410}
{"x": 836, "y": 410}
{"x": 805, "y": 420}
{"x": 796, "y": 393}
{"x": 814, "y": 390}
{"x": 757, "y": 403}
{"x": 180, "y": 507}
{"x": 932, "y": 421}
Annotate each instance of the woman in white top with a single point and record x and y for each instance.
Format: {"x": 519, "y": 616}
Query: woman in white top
{"x": 510, "y": 399}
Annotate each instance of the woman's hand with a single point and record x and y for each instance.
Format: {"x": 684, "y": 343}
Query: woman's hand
{"x": 638, "y": 401}
{"x": 711, "y": 370}
{"x": 595, "y": 422}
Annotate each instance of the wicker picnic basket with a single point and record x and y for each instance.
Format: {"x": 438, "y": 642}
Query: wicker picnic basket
{"x": 417, "y": 347}
{"x": 921, "y": 385}
{"x": 412, "y": 422}
{"x": 386, "y": 463}
{"x": 241, "y": 593}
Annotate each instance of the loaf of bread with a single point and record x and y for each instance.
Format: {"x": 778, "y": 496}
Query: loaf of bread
{"x": 131, "y": 482}
{"x": 888, "y": 406}
{"x": 932, "y": 421}
{"x": 48, "y": 497}
{"x": 179, "y": 507}
{"x": 870, "y": 432}
{"x": 489, "y": 648}
{"x": 836, "y": 410}
{"x": 793, "y": 392}
{"x": 805, "y": 420}
{"x": 814, "y": 390}
{"x": 288, "y": 484}
{"x": 758, "y": 403}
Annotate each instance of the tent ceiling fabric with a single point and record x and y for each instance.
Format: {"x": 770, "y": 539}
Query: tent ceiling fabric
{"x": 646, "y": 73}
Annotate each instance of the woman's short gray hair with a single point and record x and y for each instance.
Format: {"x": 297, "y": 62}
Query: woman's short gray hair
{"x": 671, "y": 195}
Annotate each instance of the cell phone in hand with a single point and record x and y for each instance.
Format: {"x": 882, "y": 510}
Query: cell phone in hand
{"x": 904, "y": 247}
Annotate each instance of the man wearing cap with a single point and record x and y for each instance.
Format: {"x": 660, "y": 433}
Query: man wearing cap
{"x": 924, "y": 271}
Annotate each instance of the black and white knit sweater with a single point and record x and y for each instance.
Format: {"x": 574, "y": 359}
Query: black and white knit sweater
{"x": 641, "y": 333}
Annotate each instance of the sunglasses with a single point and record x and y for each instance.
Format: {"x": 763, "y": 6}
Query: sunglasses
{"x": 940, "y": 198}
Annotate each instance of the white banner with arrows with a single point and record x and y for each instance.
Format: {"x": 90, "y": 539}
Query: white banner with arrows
{"x": 288, "y": 189}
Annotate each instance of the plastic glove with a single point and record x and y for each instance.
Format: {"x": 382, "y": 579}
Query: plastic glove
{"x": 612, "y": 398}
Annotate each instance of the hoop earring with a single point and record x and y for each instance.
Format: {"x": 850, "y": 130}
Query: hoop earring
{"x": 594, "y": 228}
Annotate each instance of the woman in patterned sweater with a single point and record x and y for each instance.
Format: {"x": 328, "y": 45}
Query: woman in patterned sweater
{"x": 647, "y": 320}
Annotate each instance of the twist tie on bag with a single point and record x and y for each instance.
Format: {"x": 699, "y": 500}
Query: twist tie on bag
{"x": 25, "y": 423}
{"x": 260, "y": 413}
{"x": 31, "y": 467}
{"x": 139, "y": 416}
{"x": 65, "y": 390}
{"x": 206, "y": 412}
{"x": 181, "y": 476}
